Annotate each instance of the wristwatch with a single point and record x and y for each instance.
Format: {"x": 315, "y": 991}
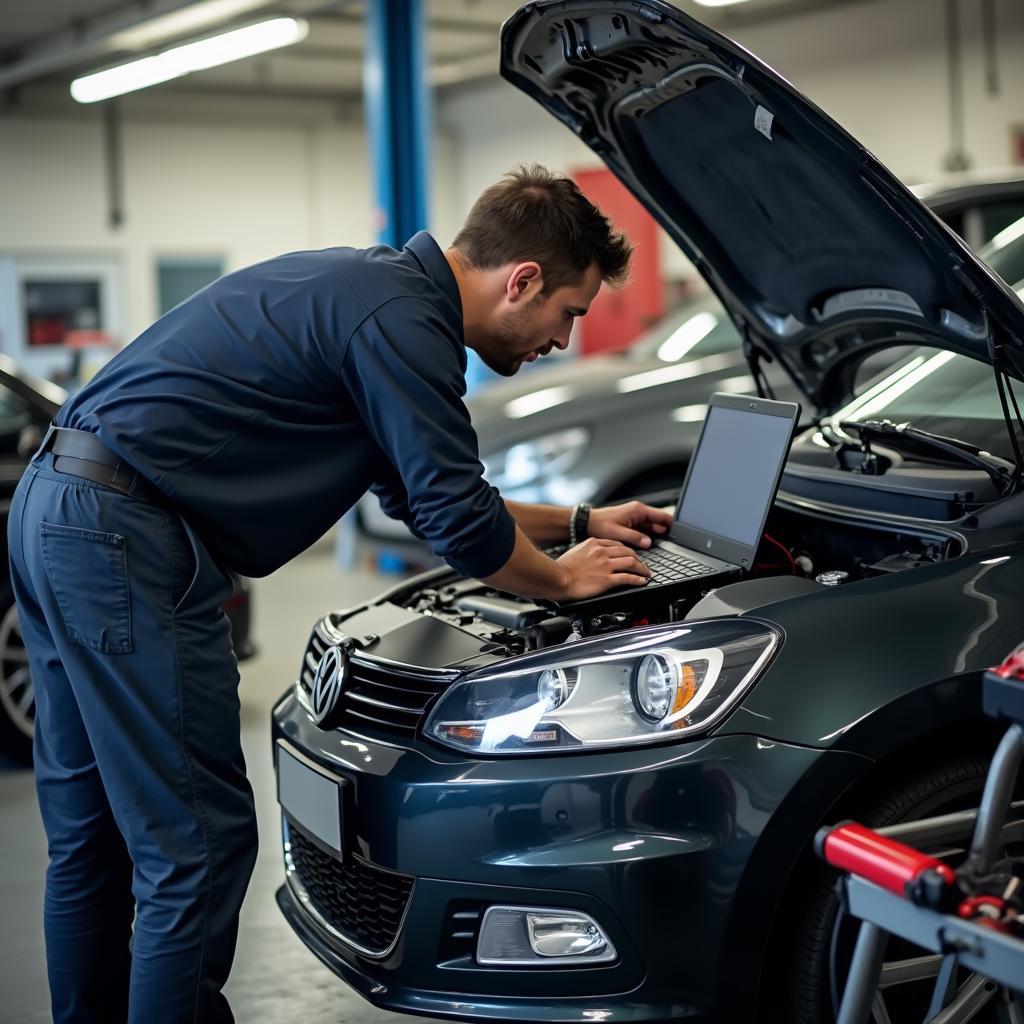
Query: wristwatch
{"x": 578, "y": 522}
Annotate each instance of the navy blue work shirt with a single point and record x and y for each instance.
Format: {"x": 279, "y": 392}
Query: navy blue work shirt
{"x": 268, "y": 403}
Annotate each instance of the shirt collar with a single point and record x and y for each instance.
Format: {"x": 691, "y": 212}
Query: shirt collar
{"x": 432, "y": 259}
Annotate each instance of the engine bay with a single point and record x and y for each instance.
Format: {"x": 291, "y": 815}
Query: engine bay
{"x": 801, "y": 551}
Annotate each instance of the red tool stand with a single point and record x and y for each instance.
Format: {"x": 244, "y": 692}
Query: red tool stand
{"x": 973, "y": 916}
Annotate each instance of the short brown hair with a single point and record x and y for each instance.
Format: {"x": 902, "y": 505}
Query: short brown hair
{"x": 532, "y": 214}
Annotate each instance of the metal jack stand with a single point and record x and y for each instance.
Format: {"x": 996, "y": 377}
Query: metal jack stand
{"x": 972, "y": 917}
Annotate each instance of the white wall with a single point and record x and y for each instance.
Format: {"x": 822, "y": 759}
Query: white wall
{"x": 245, "y": 182}
{"x": 878, "y": 67}
{"x": 243, "y": 191}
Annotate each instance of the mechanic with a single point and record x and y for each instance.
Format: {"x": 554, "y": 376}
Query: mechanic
{"x": 230, "y": 435}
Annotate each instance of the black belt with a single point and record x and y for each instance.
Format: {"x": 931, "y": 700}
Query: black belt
{"x": 79, "y": 453}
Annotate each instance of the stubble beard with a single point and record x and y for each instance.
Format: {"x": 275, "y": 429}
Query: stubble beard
{"x": 503, "y": 348}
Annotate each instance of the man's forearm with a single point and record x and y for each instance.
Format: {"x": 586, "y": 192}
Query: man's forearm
{"x": 529, "y": 572}
{"x": 590, "y": 568}
{"x": 543, "y": 524}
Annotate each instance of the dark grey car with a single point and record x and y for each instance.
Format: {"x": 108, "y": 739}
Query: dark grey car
{"x": 615, "y": 426}
{"x": 495, "y": 808}
{"x": 27, "y": 405}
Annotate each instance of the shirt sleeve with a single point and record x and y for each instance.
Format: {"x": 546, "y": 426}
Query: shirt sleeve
{"x": 394, "y": 501}
{"x": 403, "y": 369}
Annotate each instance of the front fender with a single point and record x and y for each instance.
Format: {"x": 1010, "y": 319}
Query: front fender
{"x": 868, "y": 666}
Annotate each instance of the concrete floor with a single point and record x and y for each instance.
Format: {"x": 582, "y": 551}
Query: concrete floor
{"x": 274, "y": 979}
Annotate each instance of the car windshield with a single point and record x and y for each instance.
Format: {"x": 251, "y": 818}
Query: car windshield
{"x": 937, "y": 391}
{"x": 1005, "y": 255}
{"x": 940, "y": 392}
{"x": 700, "y": 327}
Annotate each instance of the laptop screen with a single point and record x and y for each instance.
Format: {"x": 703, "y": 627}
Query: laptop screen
{"x": 735, "y": 471}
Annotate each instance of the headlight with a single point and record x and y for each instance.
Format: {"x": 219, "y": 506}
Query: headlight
{"x": 642, "y": 686}
{"x": 530, "y": 461}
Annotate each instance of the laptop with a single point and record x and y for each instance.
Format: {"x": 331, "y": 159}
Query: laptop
{"x": 730, "y": 485}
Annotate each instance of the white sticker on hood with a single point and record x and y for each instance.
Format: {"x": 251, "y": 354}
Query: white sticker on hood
{"x": 763, "y": 120}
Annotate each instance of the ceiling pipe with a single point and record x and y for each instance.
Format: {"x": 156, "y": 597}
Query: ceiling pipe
{"x": 957, "y": 158}
{"x": 113, "y": 154}
{"x": 990, "y": 36}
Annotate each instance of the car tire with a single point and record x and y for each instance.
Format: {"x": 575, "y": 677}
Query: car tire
{"x": 17, "y": 703}
{"x": 953, "y": 786}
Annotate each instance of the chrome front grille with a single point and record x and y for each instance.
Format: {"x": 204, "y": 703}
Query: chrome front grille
{"x": 378, "y": 697}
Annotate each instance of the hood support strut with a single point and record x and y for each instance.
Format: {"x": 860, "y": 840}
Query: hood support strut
{"x": 1004, "y": 387}
{"x": 754, "y": 356}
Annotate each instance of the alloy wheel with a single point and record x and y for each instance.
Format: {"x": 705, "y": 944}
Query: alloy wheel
{"x": 17, "y": 696}
{"x": 976, "y": 999}
{"x": 908, "y": 978}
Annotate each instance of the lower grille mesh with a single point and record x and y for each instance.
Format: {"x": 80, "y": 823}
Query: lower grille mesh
{"x": 362, "y": 902}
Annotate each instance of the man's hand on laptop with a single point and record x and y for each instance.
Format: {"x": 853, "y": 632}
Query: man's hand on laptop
{"x": 632, "y": 523}
{"x": 597, "y": 565}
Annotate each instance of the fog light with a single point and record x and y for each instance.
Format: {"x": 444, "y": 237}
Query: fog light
{"x": 541, "y": 936}
{"x": 564, "y": 936}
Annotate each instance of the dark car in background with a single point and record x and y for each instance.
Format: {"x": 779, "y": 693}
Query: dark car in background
{"x": 976, "y": 206}
{"x": 614, "y": 426}
{"x": 27, "y": 406}
{"x": 494, "y": 807}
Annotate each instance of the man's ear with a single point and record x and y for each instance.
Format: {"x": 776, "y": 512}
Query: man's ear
{"x": 525, "y": 281}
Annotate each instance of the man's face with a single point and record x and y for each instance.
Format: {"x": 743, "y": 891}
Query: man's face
{"x": 530, "y": 323}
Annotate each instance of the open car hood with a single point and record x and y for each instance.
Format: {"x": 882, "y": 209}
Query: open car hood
{"x": 818, "y": 252}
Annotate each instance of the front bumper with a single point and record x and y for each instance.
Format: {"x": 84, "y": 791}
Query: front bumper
{"x": 654, "y": 844}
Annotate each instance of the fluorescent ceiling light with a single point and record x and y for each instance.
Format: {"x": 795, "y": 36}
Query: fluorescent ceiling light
{"x": 192, "y": 19}
{"x": 183, "y": 60}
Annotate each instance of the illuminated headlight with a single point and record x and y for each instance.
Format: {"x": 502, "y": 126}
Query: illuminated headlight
{"x": 531, "y": 461}
{"x": 641, "y": 686}
{"x": 555, "y": 685}
{"x": 667, "y": 683}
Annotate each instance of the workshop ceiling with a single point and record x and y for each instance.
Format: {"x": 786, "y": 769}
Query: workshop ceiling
{"x": 51, "y": 42}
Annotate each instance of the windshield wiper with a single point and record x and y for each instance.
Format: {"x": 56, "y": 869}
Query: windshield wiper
{"x": 913, "y": 441}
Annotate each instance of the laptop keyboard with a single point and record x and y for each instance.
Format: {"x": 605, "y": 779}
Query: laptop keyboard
{"x": 668, "y": 566}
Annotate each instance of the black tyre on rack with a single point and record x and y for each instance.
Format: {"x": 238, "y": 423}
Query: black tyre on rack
{"x": 825, "y": 935}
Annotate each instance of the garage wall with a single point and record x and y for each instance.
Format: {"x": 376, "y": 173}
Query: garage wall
{"x": 204, "y": 178}
{"x": 243, "y": 192}
{"x": 878, "y": 67}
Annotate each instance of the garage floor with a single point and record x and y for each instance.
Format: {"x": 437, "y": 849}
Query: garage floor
{"x": 274, "y": 978}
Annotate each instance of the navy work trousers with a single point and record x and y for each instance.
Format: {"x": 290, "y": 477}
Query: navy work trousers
{"x": 139, "y": 769}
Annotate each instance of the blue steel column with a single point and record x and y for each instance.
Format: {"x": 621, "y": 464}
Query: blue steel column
{"x": 397, "y": 100}
{"x": 398, "y": 106}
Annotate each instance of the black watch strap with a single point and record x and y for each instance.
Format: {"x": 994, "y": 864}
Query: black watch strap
{"x": 578, "y": 522}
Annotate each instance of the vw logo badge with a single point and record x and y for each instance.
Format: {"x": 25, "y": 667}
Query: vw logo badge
{"x": 328, "y": 683}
